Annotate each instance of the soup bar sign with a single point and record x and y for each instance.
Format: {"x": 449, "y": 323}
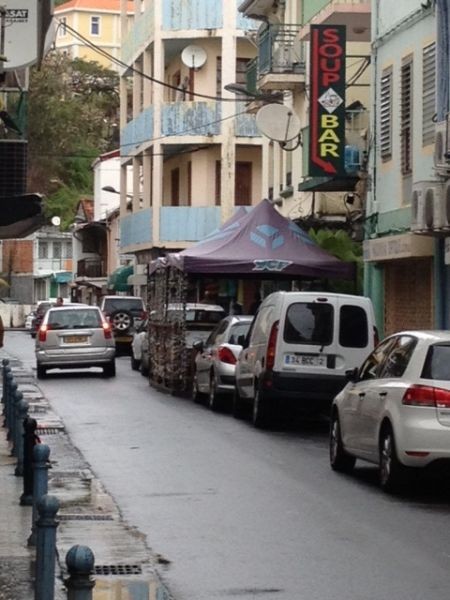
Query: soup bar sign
{"x": 327, "y": 93}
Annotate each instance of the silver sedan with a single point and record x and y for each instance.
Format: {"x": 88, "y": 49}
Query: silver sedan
{"x": 395, "y": 409}
{"x": 216, "y": 359}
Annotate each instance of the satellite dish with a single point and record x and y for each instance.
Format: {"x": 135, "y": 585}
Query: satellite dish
{"x": 193, "y": 57}
{"x": 278, "y": 122}
{"x": 56, "y": 221}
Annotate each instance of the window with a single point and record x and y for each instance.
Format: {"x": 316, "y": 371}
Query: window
{"x": 428, "y": 93}
{"x": 406, "y": 117}
{"x": 241, "y": 74}
{"x": 57, "y": 250}
{"x": 95, "y": 25}
{"x": 43, "y": 250}
{"x": 189, "y": 183}
{"x": 175, "y": 186}
{"x": 353, "y": 329}
{"x": 68, "y": 250}
{"x": 309, "y": 323}
{"x": 176, "y": 83}
{"x": 386, "y": 115}
{"x": 62, "y": 30}
{"x": 398, "y": 357}
{"x": 437, "y": 363}
{"x": 373, "y": 363}
{"x": 218, "y": 182}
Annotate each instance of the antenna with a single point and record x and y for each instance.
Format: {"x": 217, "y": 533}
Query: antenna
{"x": 193, "y": 57}
{"x": 279, "y": 123}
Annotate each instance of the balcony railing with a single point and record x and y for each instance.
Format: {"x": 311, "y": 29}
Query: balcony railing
{"x": 91, "y": 267}
{"x": 279, "y": 51}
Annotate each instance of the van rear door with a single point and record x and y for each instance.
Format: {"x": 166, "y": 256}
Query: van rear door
{"x": 355, "y": 335}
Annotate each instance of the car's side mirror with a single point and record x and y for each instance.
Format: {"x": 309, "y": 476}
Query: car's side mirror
{"x": 352, "y": 374}
{"x": 198, "y": 345}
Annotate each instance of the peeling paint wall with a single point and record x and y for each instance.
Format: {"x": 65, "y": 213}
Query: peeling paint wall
{"x": 192, "y": 14}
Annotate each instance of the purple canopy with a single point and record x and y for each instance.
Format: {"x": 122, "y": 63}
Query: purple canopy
{"x": 260, "y": 242}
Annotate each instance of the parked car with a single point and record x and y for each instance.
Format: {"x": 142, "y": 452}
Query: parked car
{"x": 395, "y": 410}
{"x": 125, "y": 313}
{"x": 136, "y": 345}
{"x": 72, "y": 337}
{"x": 299, "y": 347}
{"x": 29, "y": 318}
{"x": 216, "y": 360}
{"x": 41, "y": 308}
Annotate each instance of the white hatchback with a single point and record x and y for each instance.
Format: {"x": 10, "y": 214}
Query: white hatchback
{"x": 395, "y": 409}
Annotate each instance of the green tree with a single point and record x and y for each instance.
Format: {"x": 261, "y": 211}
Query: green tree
{"x": 72, "y": 118}
{"x": 339, "y": 244}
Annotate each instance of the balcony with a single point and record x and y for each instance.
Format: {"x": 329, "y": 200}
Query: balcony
{"x": 136, "y": 132}
{"x": 191, "y": 119}
{"x": 354, "y": 14}
{"x": 91, "y": 267}
{"x": 188, "y": 223}
{"x": 281, "y": 60}
{"x": 140, "y": 33}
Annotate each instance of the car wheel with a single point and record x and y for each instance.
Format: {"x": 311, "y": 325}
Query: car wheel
{"x": 135, "y": 363}
{"x": 262, "y": 410}
{"x": 109, "y": 370}
{"x": 339, "y": 459}
{"x": 196, "y": 395}
{"x": 33, "y": 334}
{"x": 121, "y": 321}
{"x": 215, "y": 399}
{"x": 41, "y": 372}
{"x": 392, "y": 472}
{"x": 239, "y": 409}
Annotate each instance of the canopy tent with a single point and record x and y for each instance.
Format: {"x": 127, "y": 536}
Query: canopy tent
{"x": 261, "y": 242}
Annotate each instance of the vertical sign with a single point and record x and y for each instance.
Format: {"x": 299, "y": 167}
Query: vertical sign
{"x": 327, "y": 106}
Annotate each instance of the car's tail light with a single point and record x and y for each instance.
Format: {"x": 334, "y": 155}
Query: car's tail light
{"x": 225, "y": 355}
{"x": 43, "y": 333}
{"x": 143, "y": 315}
{"x": 271, "y": 346}
{"x": 426, "y": 395}
{"x": 107, "y": 330}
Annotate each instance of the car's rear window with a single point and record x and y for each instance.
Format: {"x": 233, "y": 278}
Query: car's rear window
{"x": 122, "y": 303}
{"x": 309, "y": 323}
{"x": 353, "y": 328}
{"x": 74, "y": 319}
{"x": 437, "y": 363}
{"x": 237, "y": 330}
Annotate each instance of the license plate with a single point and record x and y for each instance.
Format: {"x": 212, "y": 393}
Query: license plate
{"x": 75, "y": 339}
{"x": 305, "y": 360}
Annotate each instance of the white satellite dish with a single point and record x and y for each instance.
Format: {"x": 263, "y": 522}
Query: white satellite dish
{"x": 278, "y": 122}
{"x": 56, "y": 221}
{"x": 193, "y": 57}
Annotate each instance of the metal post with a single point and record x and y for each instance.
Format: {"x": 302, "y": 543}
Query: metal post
{"x": 9, "y": 380}
{"x": 5, "y": 363}
{"x": 30, "y": 439}
{"x": 16, "y": 426}
{"x": 41, "y": 453}
{"x": 46, "y": 524}
{"x": 80, "y": 564}
{"x": 21, "y": 415}
{"x": 11, "y": 397}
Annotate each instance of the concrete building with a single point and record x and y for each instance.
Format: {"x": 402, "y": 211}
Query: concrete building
{"x": 196, "y": 153}
{"x": 95, "y": 22}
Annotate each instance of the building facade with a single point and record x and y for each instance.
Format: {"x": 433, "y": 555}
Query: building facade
{"x": 194, "y": 150}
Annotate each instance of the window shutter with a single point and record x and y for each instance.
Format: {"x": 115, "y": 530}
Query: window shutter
{"x": 406, "y": 116}
{"x": 386, "y": 115}
{"x": 428, "y": 93}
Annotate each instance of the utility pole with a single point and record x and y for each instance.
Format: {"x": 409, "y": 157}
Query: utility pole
{"x": 2, "y": 41}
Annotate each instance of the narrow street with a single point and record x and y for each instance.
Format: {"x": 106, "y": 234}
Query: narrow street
{"x": 241, "y": 513}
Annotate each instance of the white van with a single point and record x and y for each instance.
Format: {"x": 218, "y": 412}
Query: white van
{"x": 299, "y": 346}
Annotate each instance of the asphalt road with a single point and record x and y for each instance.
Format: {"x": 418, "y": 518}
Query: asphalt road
{"x": 241, "y": 513}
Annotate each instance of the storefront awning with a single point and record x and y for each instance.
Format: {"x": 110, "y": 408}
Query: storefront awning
{"x": 328, "y": 184}
{"x": 118, "y": 280}
{"x": 62, "y": 277}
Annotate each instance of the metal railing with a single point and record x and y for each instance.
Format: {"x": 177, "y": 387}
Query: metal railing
{"x": 280, "y": 51}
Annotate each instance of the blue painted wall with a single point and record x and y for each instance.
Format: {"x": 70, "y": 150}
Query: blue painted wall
{"x": 192, "y": 14}
{"x": 191, "y": 118}
{"x": 188, "y": 223}
{"x": 136, "y": 132}
{"x": 136, "y": 228}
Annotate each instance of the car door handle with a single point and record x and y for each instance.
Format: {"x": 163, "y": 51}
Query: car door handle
{"x": 362, "y": 394}
{"x": 382, "y": 394}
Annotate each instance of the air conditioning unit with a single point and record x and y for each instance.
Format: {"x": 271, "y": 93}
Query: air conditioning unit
{"x": 443, "y": 218}
{"x": 427, "y": 213}
{"x": 442, "y": 148}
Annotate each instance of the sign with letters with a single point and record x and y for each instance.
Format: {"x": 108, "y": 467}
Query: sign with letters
{"x": 327, "y": 101}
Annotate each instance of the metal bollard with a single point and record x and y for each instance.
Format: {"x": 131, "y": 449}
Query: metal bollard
{"x": 80, "y": 563}
{"x": 41, "y": 453}
{"x": 9, "y": 379}
{"x": 16, "y": 426}
{"x": 21, "y": 415}
{"x": 5, "y": 364}
{"x": 10, "y": 414}
{"x": 47, "y": 507}
{"x": 30, "y": 439}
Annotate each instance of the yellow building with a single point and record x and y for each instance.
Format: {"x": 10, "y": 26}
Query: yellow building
{"x": 86, "y": 26}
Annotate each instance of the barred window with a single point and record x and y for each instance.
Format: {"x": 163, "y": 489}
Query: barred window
{"x": 406, "y": 120}
{"x": 428, "y": 93}
{"x": 57, "y": 250}
{"x": 386, "y": 115}
{"x": 43, "y": 250}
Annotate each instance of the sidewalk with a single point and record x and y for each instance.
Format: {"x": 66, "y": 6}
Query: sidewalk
{"x": 124, "y": 565}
